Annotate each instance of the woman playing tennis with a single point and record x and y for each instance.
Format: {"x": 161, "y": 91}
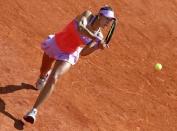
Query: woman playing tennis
{"x": 82, "y": 36}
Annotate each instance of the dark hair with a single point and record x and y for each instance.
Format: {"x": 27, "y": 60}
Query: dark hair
{"x": 106, "y": 7}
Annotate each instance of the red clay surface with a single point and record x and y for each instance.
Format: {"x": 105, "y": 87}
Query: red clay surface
{"x": 112, "y": 90}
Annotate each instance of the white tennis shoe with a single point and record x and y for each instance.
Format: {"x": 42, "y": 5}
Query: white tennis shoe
{"x": 31, "y": 116}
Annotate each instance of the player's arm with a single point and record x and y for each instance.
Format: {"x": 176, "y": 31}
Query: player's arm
{"x": 88, "y": 49}
{"x": 94, "y": 45}
{"x": 83, "y": 20}
{"x": 101, "y": 43}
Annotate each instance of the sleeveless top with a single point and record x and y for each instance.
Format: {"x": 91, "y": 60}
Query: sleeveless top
{"x": 69, "y": 38}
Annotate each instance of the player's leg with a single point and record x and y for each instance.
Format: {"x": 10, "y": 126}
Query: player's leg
{"x": 59, "y": 69}
{"x": 46, "y": 64}
{"x": 45, "y": 70}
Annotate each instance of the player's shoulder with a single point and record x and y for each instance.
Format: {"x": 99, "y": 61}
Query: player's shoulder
{"x": 86, "y": 13}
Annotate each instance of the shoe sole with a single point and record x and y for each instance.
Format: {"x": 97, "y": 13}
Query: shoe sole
{"x": 29, "y": 119}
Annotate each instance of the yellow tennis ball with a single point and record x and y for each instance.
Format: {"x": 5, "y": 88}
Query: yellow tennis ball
{"x": 158, "y": 66}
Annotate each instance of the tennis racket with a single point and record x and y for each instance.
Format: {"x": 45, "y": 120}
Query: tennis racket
{"x": 110, "y": 33}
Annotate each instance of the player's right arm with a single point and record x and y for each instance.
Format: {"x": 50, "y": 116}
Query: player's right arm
{"x": 83, "y": 21}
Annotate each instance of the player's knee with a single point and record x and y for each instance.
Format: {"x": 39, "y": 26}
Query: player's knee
{"x": 54, "y": 77}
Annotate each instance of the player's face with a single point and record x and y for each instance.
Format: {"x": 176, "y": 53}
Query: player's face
{"x": 105, "y": 21}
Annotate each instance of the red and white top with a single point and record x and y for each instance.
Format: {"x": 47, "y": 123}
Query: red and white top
{"x": 69, "y": 38}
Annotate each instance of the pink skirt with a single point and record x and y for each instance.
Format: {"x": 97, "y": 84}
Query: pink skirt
{"x": 52, "y": 50}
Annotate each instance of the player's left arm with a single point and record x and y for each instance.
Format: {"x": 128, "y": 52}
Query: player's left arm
{"x": 94, "y": 45}
{"x": 89, "y": 48}
{"x": 101, "y": 43}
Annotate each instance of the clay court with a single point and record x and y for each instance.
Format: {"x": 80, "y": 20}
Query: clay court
{"x": 116, "y": 89}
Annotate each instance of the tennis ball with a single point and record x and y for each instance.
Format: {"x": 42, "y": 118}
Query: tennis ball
{"x": 158, "y": 66}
